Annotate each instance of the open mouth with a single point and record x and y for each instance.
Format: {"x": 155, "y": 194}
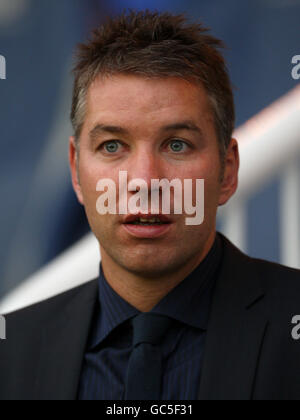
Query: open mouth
{"x": 154, "y": 221}
{"x": 147, "y": 226}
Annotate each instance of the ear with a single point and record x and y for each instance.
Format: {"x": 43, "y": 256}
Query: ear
{"x": 230, "y": 181}
{"x": 73, "y": 161}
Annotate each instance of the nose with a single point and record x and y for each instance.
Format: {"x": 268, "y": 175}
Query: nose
{"x": 147, "y": 165}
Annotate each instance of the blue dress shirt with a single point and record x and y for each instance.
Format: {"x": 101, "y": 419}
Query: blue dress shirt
{"x": 109, "y": 346}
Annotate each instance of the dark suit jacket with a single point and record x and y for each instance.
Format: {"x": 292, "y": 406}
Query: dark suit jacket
{"x": 249, "y": 354}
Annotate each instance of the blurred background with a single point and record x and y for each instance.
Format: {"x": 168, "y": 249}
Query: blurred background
{"x": 40, "y": 217}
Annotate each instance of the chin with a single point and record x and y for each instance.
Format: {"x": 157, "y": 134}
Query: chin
{"x": 151, "y": 266}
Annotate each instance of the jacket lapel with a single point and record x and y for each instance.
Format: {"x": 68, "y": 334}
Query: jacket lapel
{"x": 236, "y": 330}
{"x": 63, "y": 344}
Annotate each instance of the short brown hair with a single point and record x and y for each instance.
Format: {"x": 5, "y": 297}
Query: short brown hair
{"x": 156, "y": 45}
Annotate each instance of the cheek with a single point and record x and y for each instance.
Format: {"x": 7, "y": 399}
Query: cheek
{"x": 88, "y": 184}
{"x": 209, "y": 170}
{"x": 91, "y": 172}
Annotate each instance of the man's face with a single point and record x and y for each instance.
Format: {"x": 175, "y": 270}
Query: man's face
{"x": 146, "y": 149}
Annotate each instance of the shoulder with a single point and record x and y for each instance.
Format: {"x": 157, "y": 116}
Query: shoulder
{"x": 272, "y": 272}
{"x": 33, "y": 316}
{"x": 25, "y": 327}
{"x": 277, "y": 275}
{"x": 281, "y": 284}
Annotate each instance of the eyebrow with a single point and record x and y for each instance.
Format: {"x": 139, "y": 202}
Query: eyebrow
{"x": 103, "y": 128}
{"x": 184, "y": 125}
{"x": 114, "y": 129}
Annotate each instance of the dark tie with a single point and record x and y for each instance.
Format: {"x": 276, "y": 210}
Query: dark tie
{"x": 144, "y": 374}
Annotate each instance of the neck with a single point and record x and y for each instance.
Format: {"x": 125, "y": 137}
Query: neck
{"x": 142, "y": 293}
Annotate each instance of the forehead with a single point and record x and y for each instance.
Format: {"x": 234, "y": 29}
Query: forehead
{"x": 131, "y": 98}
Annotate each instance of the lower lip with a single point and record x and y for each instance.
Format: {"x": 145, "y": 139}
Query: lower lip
{"x": 147, "y": 231}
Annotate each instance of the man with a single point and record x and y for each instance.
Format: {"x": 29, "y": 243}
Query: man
{"x": 177, "y": 312}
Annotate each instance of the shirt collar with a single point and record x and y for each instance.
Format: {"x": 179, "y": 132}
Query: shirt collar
{"x": 188, "y": 303}
{"x": 112, "y": 310}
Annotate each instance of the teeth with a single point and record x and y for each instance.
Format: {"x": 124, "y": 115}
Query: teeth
{"x": 144, "y": 221}
{"x": 153, "y": 220}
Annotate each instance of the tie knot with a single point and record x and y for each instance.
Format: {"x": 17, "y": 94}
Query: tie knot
{"x": 149, "y": 328}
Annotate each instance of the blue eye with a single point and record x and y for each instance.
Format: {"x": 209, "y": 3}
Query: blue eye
{"x": 178, "y": 145}
{"x": 111, "y": 146}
